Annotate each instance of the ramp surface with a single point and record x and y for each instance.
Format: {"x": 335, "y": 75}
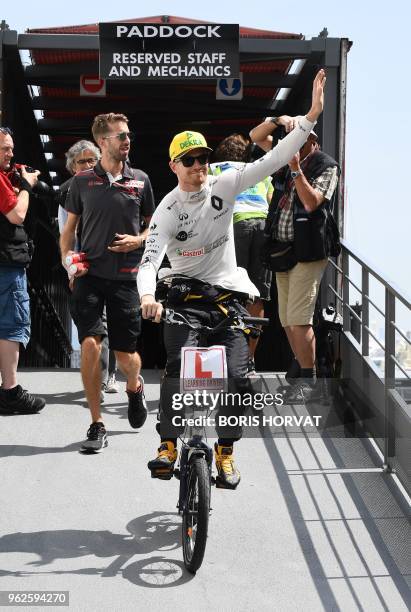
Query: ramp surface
{"x": 314, "y": 524}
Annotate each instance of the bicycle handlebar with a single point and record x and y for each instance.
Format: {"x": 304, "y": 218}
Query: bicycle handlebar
{"x": 256, "y": 320}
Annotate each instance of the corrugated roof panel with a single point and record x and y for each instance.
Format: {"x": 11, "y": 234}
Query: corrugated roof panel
{"x": 92, "y": 28}
{"x": 46, "y": 56}
{"x": 63, "y": 92}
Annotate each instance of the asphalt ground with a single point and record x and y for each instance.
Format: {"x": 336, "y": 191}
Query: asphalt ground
{"x": 314, "y": 524}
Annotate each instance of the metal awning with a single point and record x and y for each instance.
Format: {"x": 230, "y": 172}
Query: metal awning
{"x": 159, "y": 109}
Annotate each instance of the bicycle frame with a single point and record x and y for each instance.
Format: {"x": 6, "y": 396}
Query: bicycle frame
{"x": 195, "y": 444}
{"x": 196, "y": 457}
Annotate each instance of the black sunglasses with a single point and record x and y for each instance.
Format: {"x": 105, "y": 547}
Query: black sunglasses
{"x": 6, "y": 130}
{"x": 188, "y": 160}
{"x": 122, "y": 136}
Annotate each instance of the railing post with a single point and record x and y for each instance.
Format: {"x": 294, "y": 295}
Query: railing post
{"x": 389, "y": 382}
{"x": 365, "y": 313}
{"x": 346, "y": 291}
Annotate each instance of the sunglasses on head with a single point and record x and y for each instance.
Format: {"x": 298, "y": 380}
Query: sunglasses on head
{"x": 122, "y": 136}
{"x": 6, "y": 131}
{"x": 188, "y": 160}
{"x": 88, "y": 160}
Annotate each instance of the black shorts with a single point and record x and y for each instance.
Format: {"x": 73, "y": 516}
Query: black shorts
{"x": 248, "y": 238}
{"x": 91, "y": 294}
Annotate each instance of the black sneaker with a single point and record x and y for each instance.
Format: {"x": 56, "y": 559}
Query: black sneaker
{"x": 137, "y": 407}
{"x": 96, "y": 439}
{"x": 302, "y": 391}
{"x": 19, "y": 401}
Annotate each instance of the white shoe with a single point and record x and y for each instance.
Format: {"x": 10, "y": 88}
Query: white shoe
{"x": 112, "y": 385}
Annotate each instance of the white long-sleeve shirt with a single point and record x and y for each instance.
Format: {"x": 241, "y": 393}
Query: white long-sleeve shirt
{"x": 195, "y": 228}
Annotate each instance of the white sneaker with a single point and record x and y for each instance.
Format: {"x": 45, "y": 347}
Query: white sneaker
{"x": 112, "y": 385}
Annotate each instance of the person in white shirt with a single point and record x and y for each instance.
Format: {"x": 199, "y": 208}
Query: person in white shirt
{"x": 193, "y": 226}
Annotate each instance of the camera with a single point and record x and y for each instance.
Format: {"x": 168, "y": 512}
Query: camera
{"x": 329, "y": 319}
{"x": 40, "y": 189}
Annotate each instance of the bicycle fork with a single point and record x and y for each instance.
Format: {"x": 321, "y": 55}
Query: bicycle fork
{"x": 194, "y": 447}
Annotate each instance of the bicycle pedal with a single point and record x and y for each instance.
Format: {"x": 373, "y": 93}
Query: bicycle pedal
{"x": 220, "y": 484}
{"x": 162, "y": 474}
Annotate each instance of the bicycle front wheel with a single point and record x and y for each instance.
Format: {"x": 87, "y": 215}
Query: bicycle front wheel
{"x": 196, "y": 513}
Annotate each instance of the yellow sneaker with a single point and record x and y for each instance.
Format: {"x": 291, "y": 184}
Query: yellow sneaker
{"x": 163, "y": 465}
{"x": 228, "y": 475}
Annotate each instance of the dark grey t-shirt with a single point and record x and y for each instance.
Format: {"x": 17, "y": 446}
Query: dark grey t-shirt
{"x": 108, "y": 209}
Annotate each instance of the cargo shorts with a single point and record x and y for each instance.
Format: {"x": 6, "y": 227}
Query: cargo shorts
{"x": 14, "y": 305}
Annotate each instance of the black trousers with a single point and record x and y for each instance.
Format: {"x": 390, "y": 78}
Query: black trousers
{"x": 175, "y": 337}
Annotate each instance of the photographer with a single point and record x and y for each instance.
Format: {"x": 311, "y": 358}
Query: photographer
{"x": 14, "y": 299}
{"x": 297, "y": 223}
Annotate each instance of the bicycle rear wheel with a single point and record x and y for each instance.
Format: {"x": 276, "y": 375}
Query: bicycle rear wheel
{"x": 195, "y": 515}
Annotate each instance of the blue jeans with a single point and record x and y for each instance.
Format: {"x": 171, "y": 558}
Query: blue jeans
{"x": 14, "y": 305}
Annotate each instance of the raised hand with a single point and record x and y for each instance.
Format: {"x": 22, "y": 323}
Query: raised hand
{"x": 294, "y": 162}
{"x": 317, "y": 103}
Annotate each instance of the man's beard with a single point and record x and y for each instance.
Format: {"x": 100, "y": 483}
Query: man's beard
{"x": 119, "y": 157}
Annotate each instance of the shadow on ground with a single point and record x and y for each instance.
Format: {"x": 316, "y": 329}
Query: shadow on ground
{"x": 151, "y": 533}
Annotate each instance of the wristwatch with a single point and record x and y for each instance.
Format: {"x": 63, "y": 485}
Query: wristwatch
{"x": 295, "y": 173}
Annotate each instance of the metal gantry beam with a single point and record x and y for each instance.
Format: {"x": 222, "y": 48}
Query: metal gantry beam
{"x": 58, "y": 71}
{"x": 148, "y": 104}
{"x": 48, "y": 74}
{"x": 80, "y": 42}
{"x": 287, "y": 48}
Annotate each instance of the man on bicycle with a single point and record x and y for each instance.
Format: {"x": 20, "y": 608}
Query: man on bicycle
{"x": 193, "y": 226}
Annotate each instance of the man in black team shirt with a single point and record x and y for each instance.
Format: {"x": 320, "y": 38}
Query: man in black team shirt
{"x": 111, "y": 199}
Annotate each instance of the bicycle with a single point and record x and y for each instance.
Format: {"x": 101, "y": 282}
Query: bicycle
{"x": 194, "y": 469}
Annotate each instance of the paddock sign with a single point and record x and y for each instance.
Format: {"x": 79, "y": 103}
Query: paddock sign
{"x": 168, "y": 51}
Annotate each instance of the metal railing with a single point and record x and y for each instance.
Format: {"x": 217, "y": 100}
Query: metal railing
{"x": 50, "y": 343}
{"x": 393, "y": 400}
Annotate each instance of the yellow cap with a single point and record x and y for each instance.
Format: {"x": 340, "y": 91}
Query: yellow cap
{"x": 186, "y": 141}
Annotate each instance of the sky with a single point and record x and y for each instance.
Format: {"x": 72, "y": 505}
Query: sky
{"x": 377, "y": 224}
